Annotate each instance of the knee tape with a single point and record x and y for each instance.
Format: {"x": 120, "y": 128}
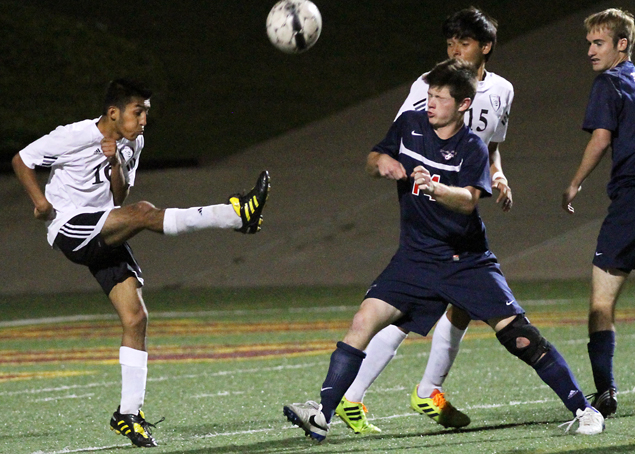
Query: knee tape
{"x": 521, "y": 328}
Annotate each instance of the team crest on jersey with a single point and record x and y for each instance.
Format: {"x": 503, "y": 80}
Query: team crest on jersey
{"x": 448, "y": 154}
{"x": 126, "y": 153}
{"x": 496, "y": 102}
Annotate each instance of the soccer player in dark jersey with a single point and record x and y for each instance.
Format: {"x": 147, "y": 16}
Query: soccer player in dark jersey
{"x": 441, "y": 169}
{"x": 609, "y": 118}
{"x": 471, "y": 35}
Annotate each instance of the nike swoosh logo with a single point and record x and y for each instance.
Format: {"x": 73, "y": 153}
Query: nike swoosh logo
{"x": 597, "y": 254}
{"x": 313, "y": 423}
{"x": 414, "y": 133}
{"x": 324, "y": 389}
{"x": 509, "y": 303}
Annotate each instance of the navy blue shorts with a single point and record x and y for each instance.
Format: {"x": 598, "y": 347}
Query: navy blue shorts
{"x": 422, "y": 287}
{"x": 80, "y": 241}
{"x": 616, "y": 240}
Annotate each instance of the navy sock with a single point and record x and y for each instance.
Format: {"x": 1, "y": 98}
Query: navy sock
{"x": 601, "y": 348}
{"x": 554, "y": 371}
{"x": 345, "y": 363}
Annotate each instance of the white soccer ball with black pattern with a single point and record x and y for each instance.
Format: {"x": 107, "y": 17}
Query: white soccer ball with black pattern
{"x": 293, "y": 26}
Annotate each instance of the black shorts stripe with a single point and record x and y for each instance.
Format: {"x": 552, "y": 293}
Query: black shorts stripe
{"x": 109, "y": 264}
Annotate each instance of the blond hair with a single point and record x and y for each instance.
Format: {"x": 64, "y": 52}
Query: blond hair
{"x": 618, "y": 23}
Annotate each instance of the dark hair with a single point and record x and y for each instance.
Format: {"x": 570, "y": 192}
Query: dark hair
{"x": 121, "y": 91}
{"x": 459, "y": 76}
{"x": 472, "y": 23}
{"x": 618, "y": 23}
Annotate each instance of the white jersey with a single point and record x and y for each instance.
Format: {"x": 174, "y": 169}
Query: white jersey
{"x": 79, "y": 181}
{"x": 488, "y": 115}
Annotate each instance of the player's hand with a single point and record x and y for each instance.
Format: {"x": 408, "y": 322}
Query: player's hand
{"x": 423, "y": 179}
{"x": 390, "y": 168}
{"x": 505, "y": 194}
{"x": 45, "y": 212}
{"x": 567, "y": 198}
{"x": 109, "y": 149}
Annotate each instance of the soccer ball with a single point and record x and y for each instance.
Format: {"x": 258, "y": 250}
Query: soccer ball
{"x": 293, "y": 26}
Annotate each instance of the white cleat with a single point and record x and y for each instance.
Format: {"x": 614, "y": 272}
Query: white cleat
{"x": 309, "y": 417}
{"x": 590, "y": 422}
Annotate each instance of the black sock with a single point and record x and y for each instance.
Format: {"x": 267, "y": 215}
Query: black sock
{"x": 554, "y": 371}
{"x": 345, "y": 363}
{"x": 601, "y": 348}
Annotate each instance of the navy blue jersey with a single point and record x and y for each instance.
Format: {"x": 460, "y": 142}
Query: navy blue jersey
{"x": 612, "y": 106}
{"x": 463, "y": 160}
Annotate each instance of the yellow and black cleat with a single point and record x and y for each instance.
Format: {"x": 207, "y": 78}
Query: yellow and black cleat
{"x": 135, "y": 427}
{"x": 354, "y": 415}
{"x": 249, "y": 206}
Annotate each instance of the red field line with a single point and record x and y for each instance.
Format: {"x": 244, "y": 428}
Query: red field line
{"x": 213, "y": 351}
{"x": 165, "y": 328}
{"x": 168, "y": 353}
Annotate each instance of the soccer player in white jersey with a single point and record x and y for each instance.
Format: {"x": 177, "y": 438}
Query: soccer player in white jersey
{"x": 93, "y": 165}
{"x": 470, "y": 35}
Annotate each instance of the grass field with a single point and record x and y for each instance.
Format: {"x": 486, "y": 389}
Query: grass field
{"x": 223, "y": 363}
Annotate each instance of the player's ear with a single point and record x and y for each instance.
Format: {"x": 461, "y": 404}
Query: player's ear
{"x": 486, "y": 48}
{"x": 622, "y": 44}
{"x": 465, "y": 104}
{"x": 113, "y": 112}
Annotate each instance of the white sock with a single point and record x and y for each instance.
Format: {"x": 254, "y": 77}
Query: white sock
{"x": 134, "y": 372}
{"x": 445, "y": 346}
{"x": 182, "y": 220}
{"x": 380, "y": 351}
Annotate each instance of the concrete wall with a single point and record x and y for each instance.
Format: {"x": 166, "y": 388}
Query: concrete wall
{"x": 328, "y": 223}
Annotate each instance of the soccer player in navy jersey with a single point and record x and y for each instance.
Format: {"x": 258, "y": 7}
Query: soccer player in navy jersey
{"x": 471, "y": 35}
{"x": 609, "y": 118}
{"x": 441, "y": 169}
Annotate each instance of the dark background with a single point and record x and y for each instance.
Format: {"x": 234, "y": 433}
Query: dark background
{"x": 219, "y": 84}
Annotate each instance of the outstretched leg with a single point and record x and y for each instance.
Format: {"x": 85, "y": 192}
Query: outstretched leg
{"x": 346, "y": 360}
{"x": 243, "y": 213}
{"x": 523, "y": 340}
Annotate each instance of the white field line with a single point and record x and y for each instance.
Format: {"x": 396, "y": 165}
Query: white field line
{"x": 164, "y": 378}
{"x": 70, "y": 396}
{"x": 335, "y": 422}
{"x": 263, "y": 430}
{"x": 218, "y": 394}
{"x": 202, "y": 314}
{"x": 60, "y": 388}
{"x": 243, "y": 371}
{"x": 90, "y": 449}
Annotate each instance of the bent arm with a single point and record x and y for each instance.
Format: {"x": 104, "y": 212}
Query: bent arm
{"x": 43, "y": 209}
{"x": 380, "y": 165}
{"x": 461, "y": 200}
{"x": 593, "y": 154}
{"x": 118, "y": 186}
